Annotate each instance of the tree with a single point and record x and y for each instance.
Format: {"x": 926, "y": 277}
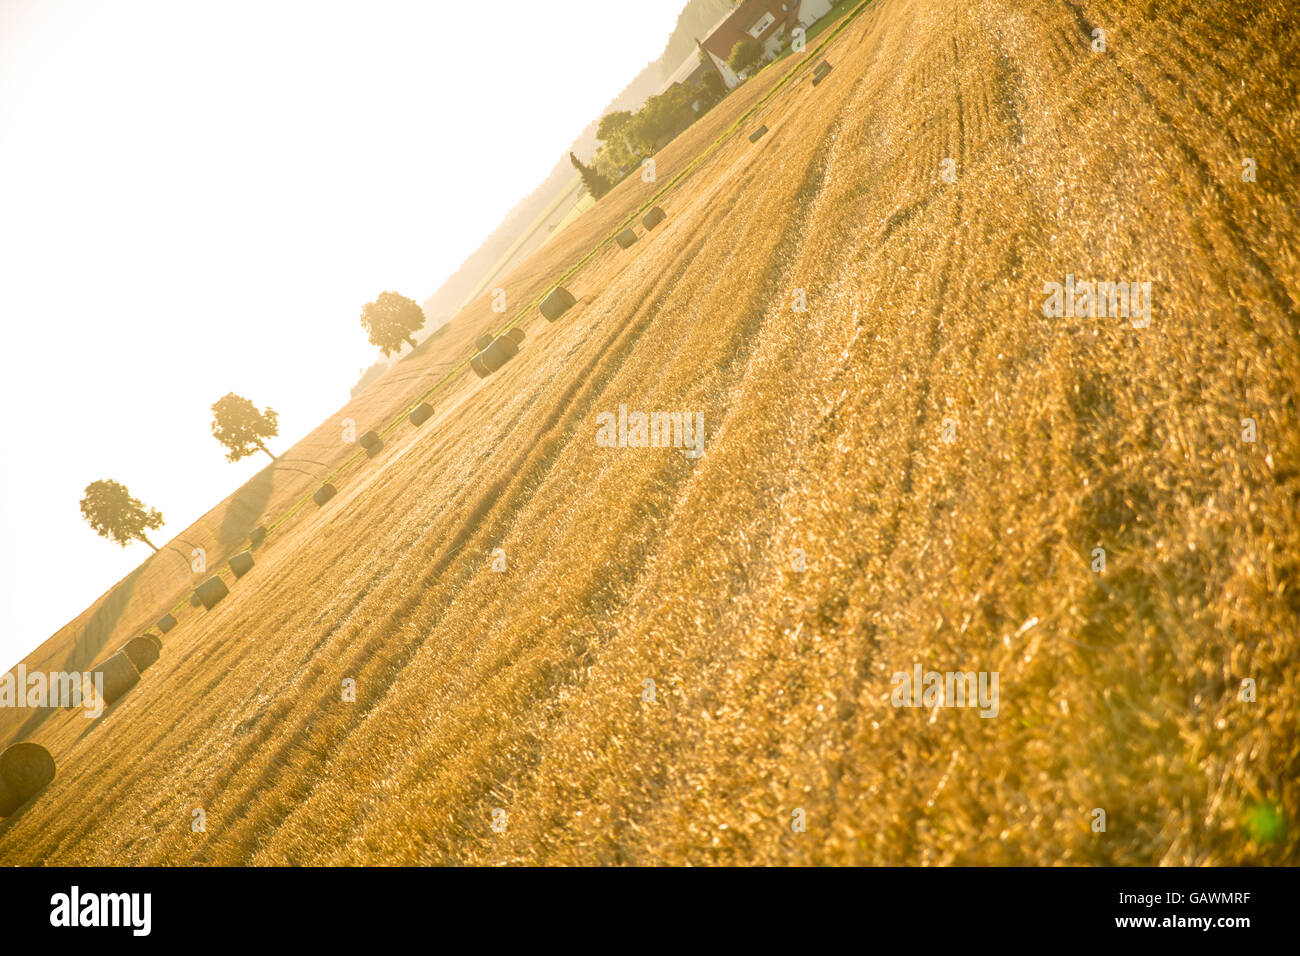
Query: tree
{"x": 596, "y": 184}
{"x": 390, "y": 320}
{"x": 744, "y": 54}
{"x": 613, "y": 124}
{"x": 666, "y": 115}
{"x": 714, "y": 88}
{"x": 239, "y": 426}
{"x": 109, "y": 508}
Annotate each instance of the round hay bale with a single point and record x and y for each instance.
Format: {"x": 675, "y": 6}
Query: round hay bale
{"x": 482, "y": 342}
{"x": 516, "y": 335}
{"x": 143, "y": 651}
{"x": 653, "y": 217}
{"x": 421, "y": 413}
{"x": 821, "y": 71}
{"x": 241, "y": 563}
{"x": 626, "y": 239}
{"x": 481, "y": 370}
{"x": 560, "y": 300}
{"x": 257, "y": 537}
{"x": 120, "y": 675}
{"x": 166, "y": 623}
{"x": 194, "y": 600}
{"x": 501, "y": 350}
{"x": 324, "y": 493}
{"x": 25, "y": 769}
{"x": 211, "y": 591}
{"x": 370, "y": 439}
{"x": 758, "y": 134}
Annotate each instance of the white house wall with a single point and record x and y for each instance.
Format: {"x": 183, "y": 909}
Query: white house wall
{"x": 810, "y": 11}
{"x": 728, "y": 77}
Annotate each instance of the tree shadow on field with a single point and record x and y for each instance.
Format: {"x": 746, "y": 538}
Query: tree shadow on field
{"x": 22, "y": 810}
{"x": 94, "y": 722}
{"x": 247, "y": 506}
{"x": 89, "y": 643}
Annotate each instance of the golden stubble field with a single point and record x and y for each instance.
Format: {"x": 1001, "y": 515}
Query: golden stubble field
{"x": 525, "y": 691}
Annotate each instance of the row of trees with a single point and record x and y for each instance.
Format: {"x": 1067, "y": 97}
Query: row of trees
{"x": 391, "y": 320}
{"x": 628, "y": 137}
{"x": 240, "y": 427}
{"x": 114, "y": 513}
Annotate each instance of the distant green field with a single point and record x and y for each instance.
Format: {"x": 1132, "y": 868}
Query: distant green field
{"x": 581, "y": 206}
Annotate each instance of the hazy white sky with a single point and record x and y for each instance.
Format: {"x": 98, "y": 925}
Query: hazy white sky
{"x": 198, "y": 197}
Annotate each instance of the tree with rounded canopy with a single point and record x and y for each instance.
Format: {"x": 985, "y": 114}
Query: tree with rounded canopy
{"x": 239, "y": 426}
{"x": 390, "y": 320}
{"x": 109, "y": 508}
{"x": 744, "y": 54}
{"x": 613, "y": 124}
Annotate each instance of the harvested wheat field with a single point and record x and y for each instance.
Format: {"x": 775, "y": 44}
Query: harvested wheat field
{"x": 671, "y": 656}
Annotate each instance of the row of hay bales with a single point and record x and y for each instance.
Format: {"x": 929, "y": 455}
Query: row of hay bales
{"x": 560, "y": 300}
{"x": 493, "y": 351}
{"x": 27, "y": 768}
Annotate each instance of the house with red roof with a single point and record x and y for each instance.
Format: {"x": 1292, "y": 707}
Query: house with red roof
{"x": 770, "y": 22}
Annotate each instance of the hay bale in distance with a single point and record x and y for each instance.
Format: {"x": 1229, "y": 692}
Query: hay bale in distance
{"x": 120, "y": 675}
{"x": 653, "y": 217}
{"x": 211, "y": 591}
{"x": 25, "y": 769}
{"x": 372, "y": 443}
{"x": 821, "y": 71}
{"x": 242, "y": 563}
{"x": 626, "y": 239}
{"x": 758, "y": 134}
{"x": 257, "y": 537}
{"x": 516, "y": 335}
{"x": 483, "y": 341}
{"x": 166, "y": 622}
{"x": 324, "y": 493}
{"x": 143, "y": 651}
{"x": 421, "y": 413}
{"x": 560, "y": 300}
{"x": 194, "y": 600}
